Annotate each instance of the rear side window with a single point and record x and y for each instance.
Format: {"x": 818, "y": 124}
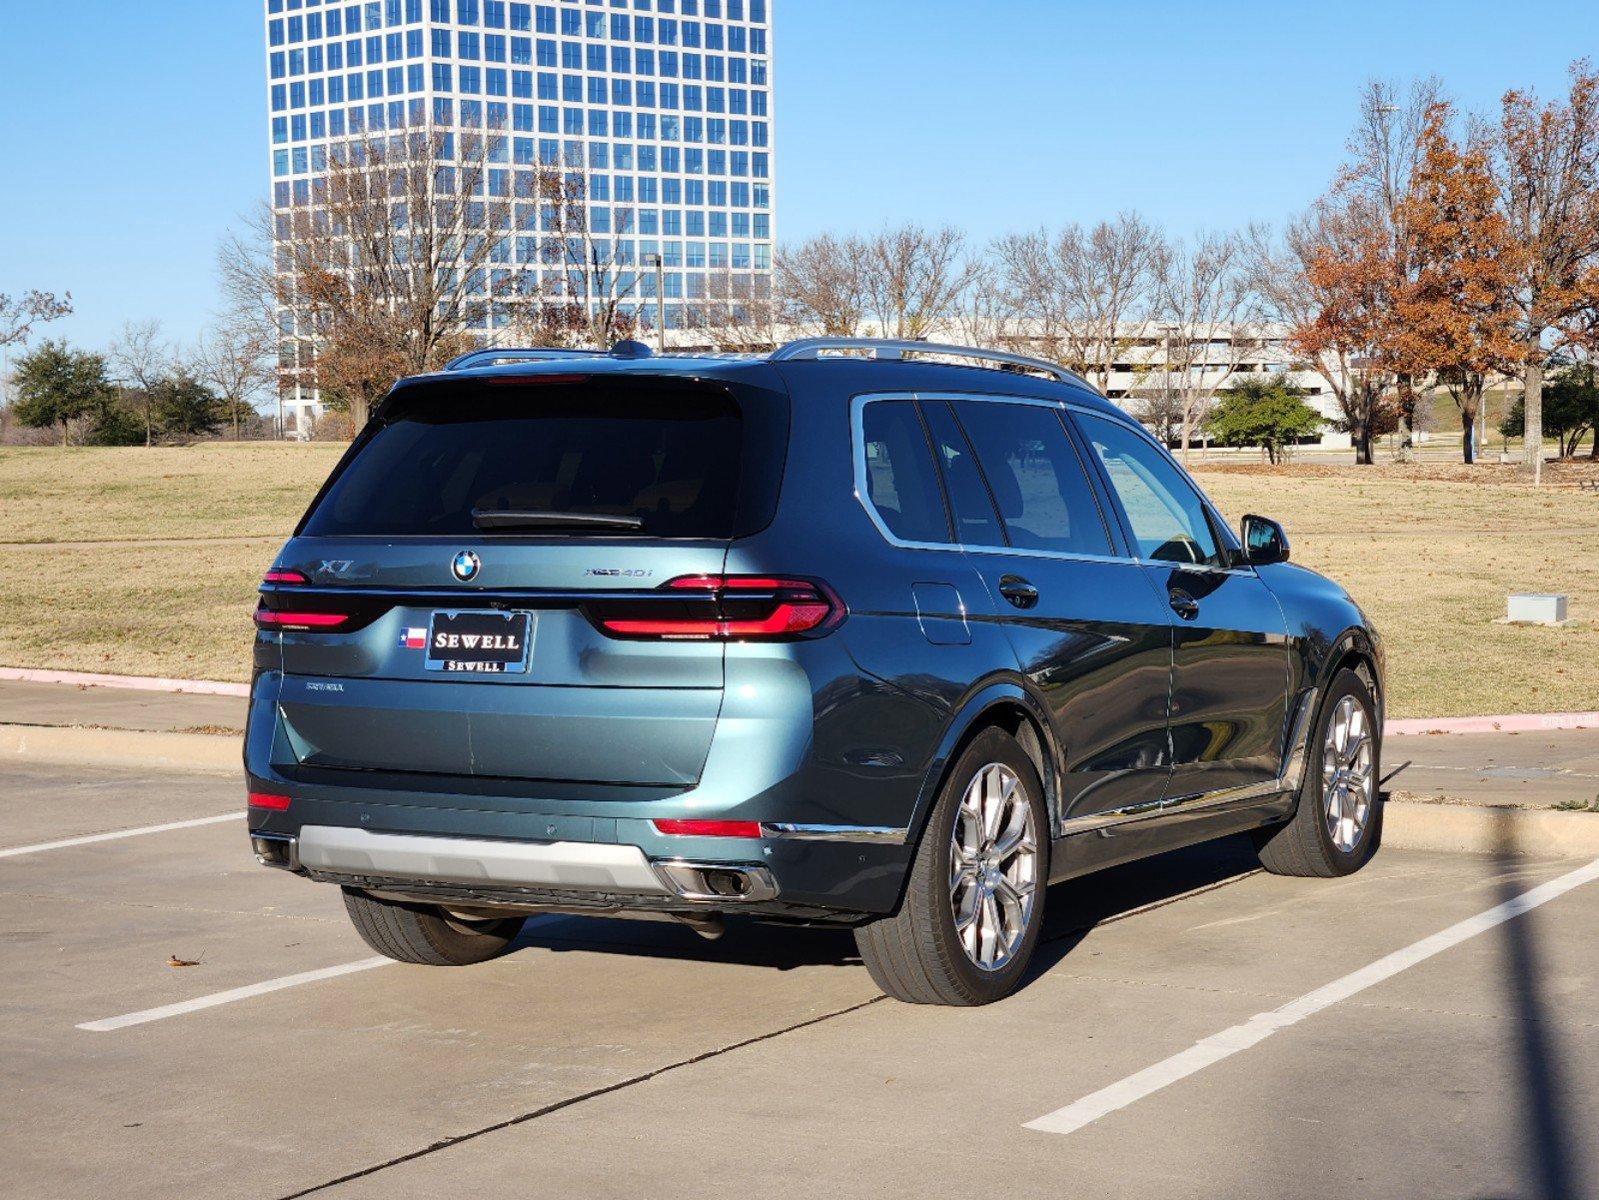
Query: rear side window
{"x": 1036, "y": 478}
{"x": 901, "y": 481}
{"x": 670, "y": 455}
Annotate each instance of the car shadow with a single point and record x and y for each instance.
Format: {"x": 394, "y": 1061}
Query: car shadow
{"x": 1073, "y": 909}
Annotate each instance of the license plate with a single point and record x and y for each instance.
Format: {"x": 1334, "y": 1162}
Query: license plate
{"x": 479, "y": 643}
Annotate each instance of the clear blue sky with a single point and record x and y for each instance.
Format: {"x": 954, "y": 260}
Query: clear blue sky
{"x": 135, "y": 130}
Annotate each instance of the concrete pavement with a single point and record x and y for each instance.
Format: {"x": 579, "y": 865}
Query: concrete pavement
{"x": 610, "y": 1058}
{"x": 1523, "y": 770}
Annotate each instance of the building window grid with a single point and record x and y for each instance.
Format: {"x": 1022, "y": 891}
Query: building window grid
{"x": 731, "y": 231}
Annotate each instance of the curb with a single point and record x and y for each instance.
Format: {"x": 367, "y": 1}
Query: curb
{"x": 1462, "y": 829}
{"x": 138, "y": 683}
{"x": 206, "y": 753}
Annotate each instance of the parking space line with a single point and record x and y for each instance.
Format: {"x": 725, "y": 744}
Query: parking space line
{"x": 1258, "y": 1028}
{"x": 120, "y": 833}
{"x": 147, "y": 1015}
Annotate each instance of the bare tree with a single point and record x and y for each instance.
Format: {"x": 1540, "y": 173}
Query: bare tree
{"x": 402, "y": 254}
{"x": 140, "y": 359}
{"x": 1546, "y": 166}
{"x": 235, "y": 359}
{"x": 736, "y": 313}
{"x": 1329, "y": 283}
{"x": 20, "y": 314}
{"x": 1208, "y": 314}
{"x": 1384, "y": 153}
{"x": 1083, "y": 296}
{"x": 821, "y": 285}
{"x": 914, "y": 275}
{"x": 590, "y": 293}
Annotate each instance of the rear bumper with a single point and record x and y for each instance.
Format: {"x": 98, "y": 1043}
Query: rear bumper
{"x": 556, "y": 868}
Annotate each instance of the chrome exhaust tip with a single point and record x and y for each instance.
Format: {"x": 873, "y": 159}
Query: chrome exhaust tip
{"x": 728, "y": 882}
{"x": 276, "y": 850}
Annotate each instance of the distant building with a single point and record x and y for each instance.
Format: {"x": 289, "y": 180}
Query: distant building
{"x": 665, "y": 105}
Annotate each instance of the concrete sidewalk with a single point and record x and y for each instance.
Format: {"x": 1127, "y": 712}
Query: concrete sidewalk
{"x": 1501, "y": 770}
{"x": 60, "y": 704}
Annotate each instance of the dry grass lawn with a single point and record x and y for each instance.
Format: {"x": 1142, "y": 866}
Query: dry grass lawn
{"x": 180, "y": 537}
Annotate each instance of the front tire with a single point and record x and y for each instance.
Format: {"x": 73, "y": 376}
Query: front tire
{"x": 425, "y": 933}
{"x": 1338, "y": 824}
{"x": 966, "y": 928}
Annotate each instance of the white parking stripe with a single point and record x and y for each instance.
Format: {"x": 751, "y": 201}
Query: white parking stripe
{"x": 120, "y": 833}
{"x": 1260, "y": 1027}
{"x": 228, "y": 997}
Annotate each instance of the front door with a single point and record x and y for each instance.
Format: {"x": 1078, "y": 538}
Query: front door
{"x": 1229, "y": 638}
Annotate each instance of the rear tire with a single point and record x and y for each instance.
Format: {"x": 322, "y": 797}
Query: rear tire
{"x": 995, "y": 870}
{"x": 1319, "y": 842}
{"x": 425, "y": 934}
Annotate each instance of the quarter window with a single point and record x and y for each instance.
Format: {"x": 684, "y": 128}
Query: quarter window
{"x": 1037, "y": 481}
{"x": 1165, "y": 513}
{"x": 901, "y": 482}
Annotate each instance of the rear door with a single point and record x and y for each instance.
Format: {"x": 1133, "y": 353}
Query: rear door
{"x": 1230, "y": 644}
{"x": 1088, "y": 631}
{"x": 477, "y": 542}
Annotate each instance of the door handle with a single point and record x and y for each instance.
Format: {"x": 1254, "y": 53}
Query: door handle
{"x": 1184, "y": 605}
{"x": 1018, "y": 591}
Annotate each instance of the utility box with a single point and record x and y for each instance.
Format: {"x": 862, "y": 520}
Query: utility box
{"x": 1534, "y": 608}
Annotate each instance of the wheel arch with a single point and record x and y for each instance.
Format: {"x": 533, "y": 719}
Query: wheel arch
{"x": 1005, "y": 704}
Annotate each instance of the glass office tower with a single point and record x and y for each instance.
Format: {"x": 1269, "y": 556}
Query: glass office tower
{"x": 664, "y": 105}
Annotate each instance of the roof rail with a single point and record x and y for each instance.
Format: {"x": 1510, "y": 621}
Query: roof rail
{"x": 884, "y": 349}
{"x": 494, "y": 357}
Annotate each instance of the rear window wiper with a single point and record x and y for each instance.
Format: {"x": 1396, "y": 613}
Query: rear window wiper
{"x": 513, "y": 518}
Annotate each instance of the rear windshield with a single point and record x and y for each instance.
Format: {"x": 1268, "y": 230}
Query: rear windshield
{"x": 670, "y": 453}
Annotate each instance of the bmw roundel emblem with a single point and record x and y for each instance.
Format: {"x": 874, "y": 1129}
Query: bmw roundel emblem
{"x": 465, "y": 566}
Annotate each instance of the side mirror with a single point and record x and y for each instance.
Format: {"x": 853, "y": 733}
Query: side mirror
{"x": 1264, "y": 541}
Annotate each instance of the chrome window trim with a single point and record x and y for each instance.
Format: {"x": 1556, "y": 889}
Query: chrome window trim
{"x": 863, "y": 496}
{"x": 886, "y": 834}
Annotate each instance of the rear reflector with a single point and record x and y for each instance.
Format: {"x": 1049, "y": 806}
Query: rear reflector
{"x": 267, "y": 618}
{"x": 269, "y": 801}
{"x": 725, "y": 608}
{"x": 696, "y": 828}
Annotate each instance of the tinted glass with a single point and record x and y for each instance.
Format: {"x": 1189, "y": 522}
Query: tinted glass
{"x": 976, "y": 523}
{"x": 1044, "y": 497}
{"x": 669, "y": 455}
{"x": 900, "y": 479}
{"x": 1166, "y": 514}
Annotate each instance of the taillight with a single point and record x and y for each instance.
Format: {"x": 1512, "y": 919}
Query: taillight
{"x": 724, "y": 608}
{"x": 291, "y": 621}
{"x": 698, "y": 828}
{"x": 284, "y": 575}
{"x": 268, "y": 800}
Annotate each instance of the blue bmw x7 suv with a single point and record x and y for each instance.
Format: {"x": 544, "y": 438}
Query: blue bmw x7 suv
{"x": 887, "y": 635}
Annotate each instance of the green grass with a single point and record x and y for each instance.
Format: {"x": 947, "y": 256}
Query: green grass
{"x": 180, "y": 537}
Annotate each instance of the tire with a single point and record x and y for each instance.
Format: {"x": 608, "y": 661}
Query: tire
{"x": 918, "y": 955}
{"x": 425, "y": 934}
{"x": 1306, "y": 845}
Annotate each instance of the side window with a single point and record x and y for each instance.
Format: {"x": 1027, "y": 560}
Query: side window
{"x": 976, "y": 522}
{"x": 1038, "y": 482}
{"x": 901, "y": 481}
{"x": 1166, "y": 514}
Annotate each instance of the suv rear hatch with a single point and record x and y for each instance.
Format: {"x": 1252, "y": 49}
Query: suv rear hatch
{"x": 514, "y": 576}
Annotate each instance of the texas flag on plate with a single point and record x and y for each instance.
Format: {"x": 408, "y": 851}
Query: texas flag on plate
{"x": 414, "y": 639}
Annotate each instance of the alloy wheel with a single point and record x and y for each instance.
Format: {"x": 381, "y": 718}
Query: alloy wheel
{"x": 993, "y": 867}
{"x": 1347, "y": 786}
